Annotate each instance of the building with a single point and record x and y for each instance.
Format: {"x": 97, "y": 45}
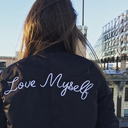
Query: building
{"x": 6, "y": 61}
{"x": 83, "y": 31}
{"x": 80, "y": 49}
{"x": 112, "y": 51}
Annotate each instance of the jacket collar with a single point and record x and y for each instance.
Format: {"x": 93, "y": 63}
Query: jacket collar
{"x": 55, "y": 48}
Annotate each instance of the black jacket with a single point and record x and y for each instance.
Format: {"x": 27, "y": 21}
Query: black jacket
{"x": 55, "y": 90}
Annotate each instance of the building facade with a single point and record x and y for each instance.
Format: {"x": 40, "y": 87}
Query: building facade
{"x": 6, "y": 61}
{"x": 112, "y": 51}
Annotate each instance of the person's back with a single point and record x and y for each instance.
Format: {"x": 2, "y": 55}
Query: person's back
{"x": 55, "y": 90}
{"x": 52, "y": 87}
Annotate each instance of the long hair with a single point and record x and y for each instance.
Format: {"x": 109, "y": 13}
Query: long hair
{"x": 49, "y": 22}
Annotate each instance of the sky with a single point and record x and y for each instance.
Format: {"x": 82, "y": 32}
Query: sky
{"x": 13, "y": 13}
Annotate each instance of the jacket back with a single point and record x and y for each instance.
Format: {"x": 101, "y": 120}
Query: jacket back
{"x": 56, "y": 90}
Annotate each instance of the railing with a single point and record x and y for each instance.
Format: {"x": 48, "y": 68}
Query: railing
{"x": 123, "y": 122}
{"x": 117, "y": 75}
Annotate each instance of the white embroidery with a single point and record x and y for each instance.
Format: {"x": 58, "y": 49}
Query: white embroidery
{"x": 51, "y": 83}
{"x": 83, "y": 89}
{"x": 20, "y": 85}
{"x": 12, "y": 82}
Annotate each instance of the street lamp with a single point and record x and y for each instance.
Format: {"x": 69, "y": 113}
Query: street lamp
{"x": 83, "y": 14}
{"x": 83, "y": 17}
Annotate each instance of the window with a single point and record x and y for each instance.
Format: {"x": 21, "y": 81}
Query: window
{"x": 125, "y": 112}
{"x": 126, "y": 94}
{"x": 2, "y": 65}
{"x": 121, "y": 42}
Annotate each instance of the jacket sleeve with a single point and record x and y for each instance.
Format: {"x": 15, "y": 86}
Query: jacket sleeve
{"x": 106, "y": 116}
{"x": 3, "y": 120}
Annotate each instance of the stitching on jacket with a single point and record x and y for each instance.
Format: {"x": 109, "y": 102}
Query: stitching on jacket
{"x": 83, "y": 89}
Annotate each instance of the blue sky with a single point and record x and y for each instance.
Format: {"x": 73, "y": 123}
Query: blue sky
{"x": 13, "y": 13}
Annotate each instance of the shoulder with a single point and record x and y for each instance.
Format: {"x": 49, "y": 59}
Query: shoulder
{"x": 71, "y": 58}
{"x": 17, "y": 67}
{"x": 75, "y": 63}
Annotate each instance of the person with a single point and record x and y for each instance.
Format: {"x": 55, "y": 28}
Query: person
{"x": 51, "y": 86}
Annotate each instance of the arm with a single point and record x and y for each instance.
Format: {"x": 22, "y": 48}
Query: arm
{"x": 3, "y": 119}
{"x": 106, "y": 116}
